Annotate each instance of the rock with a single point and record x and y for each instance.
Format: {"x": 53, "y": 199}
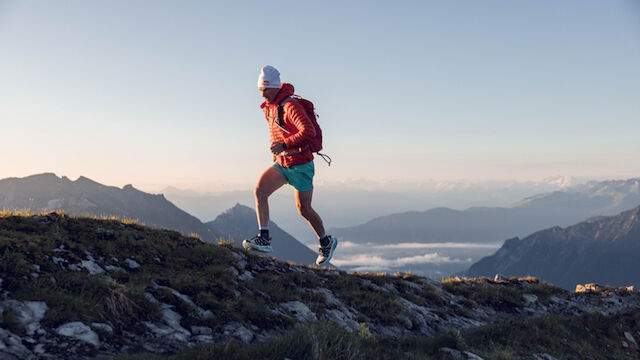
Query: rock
{"x": 241, "y": 265}
{"x": 406, "y": 322}
{"x": 58, "y": 260}
{"x": 151, "y": 298}
{"x": 299, "y": 310}
{"x": 80, "y": 331}
{"x": 11, "y": 347}
{"x": 588, "y": 288}
{"x": 201, "y": 330}
{"x": 112, "y": 267}
{"x": 205, "y": 314}
{"x": 172, "y": 319}
{"x": 344, "y": 319}
{"x": 529, "y": 298}
{"x": 543, "y": 357}
{"x": 202, "y": 339}
{"x": 167, "y": 333}
{"x": 245, "y": 276}
{"x": 238, "y": 256}
{"x": 236, "y": 330}
{"x": 453, "y": 354}
{"x": 39, "y": 349}
{"x": 499, "y": 277}
{"x": 330, "y": 299}
{"x": 472, "y": 356}
{"x": 102, "y": 326}
{"x": 629, "y": 337}
{"x": 94, "y": 269}
{"x": 132, "y": 264}
{"x": 28, "y": 313}
{"x": 233, "y": 270}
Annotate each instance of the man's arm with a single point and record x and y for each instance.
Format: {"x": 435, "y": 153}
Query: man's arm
{"x": 298, "y": 117}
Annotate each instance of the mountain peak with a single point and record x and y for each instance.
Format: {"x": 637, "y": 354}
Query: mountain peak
{"x": 600, "y": 249}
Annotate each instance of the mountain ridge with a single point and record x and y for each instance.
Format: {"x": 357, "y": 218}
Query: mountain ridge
{"x": 47, "y": 191}
{"x": 600, "y": 249}
{"x": 486, "y": 224}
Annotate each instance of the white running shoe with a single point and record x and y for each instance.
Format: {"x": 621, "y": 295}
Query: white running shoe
{"x": 326, "y": 252}
{"x": 258, "y": 243}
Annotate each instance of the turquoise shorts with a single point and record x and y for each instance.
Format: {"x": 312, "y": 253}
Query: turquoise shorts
{"x": 298, "y": 176}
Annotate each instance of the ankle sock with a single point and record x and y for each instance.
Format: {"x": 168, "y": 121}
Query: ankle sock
{"x": 264, "y": 233}
{"x": 325, "y": 240}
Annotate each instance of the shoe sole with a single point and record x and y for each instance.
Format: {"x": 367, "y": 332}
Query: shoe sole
{"x": 333, "y": 248}
{"x": 250, "y": 246}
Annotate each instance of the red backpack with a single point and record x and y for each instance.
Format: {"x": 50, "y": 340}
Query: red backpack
{"x": 315, "y": 144}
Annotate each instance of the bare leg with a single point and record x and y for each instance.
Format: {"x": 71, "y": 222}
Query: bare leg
{"x": 270, "y": 181}
{"x": 303, "y": 203}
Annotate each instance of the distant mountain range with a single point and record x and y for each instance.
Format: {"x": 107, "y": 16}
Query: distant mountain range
{"x": 489, "y": 224}
{"x": 355, "y": 201}
{"x": 44, "y": 192}
{"x": 240, "y": 223}
{"x": 603, "y": 250}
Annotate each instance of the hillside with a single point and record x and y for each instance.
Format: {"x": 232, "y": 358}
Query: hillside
{"x": 80, "y": 287}
{"x": 46, "y": 192}
{"x": 239, "y": 223}
{"x": 603, "y": 250}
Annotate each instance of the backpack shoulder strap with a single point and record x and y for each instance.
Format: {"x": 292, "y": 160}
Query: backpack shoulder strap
{"x": 281, "y": 109}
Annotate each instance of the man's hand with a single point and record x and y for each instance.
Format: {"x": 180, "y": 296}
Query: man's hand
{"x": 277, "y": 147}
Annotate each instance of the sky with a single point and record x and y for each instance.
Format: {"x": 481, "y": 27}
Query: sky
{"x": 163, "y": 93}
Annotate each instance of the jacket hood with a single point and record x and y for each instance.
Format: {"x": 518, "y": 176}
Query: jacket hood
{"x": 286, "y": 90}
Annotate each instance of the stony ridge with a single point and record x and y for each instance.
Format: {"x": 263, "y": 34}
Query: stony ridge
{"x": 77, "y": 288}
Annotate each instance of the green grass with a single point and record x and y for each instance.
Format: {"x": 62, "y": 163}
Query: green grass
{"x": 591, "y": 335}
{"x": 499, "y": 296}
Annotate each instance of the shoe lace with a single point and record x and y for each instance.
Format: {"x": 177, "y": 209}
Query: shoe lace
{"x": 325, "y": 250}
{"x": 261, "y": 241}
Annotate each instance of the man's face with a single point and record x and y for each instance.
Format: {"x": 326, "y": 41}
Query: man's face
{"x": 269, "y": 94}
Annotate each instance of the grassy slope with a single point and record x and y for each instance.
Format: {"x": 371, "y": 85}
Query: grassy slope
{"x": 203, "y": 272}
{"x": 589, "y": 336}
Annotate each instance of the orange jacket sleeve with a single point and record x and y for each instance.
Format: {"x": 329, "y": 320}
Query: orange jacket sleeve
{"x": 297, "y": 116}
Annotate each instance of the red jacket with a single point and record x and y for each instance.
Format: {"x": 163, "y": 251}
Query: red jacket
{"x": 296, "y": 132}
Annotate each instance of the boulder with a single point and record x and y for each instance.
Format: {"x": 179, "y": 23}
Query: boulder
{"x": 629, "y": 337}
{"x": 28, "y": 313}
{"x": 80, "y": 331}
{"x": 299, "y": 310}
{"x": 236, "y": 330}
{"x": 11, "y": 347}
{"x": 132, "y": 264}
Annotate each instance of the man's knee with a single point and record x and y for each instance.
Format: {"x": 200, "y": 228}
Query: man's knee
{"x": 260, "y": 193}
{"x": 304, "y": 210}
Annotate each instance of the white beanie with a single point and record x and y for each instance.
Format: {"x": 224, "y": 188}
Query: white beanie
{"x": 269, "y": 77}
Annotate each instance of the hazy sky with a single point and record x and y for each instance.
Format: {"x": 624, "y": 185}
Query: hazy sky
{"x": 159, "y": 93}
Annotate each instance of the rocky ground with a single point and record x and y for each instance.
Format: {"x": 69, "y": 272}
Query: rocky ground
{"x": 80, "y": 288}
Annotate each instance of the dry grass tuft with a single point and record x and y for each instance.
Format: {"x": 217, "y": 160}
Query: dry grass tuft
{"x": 225, "y": 241}
{"x": 119, "y": 304}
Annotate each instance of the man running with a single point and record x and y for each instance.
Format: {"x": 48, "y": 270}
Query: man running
{"x": 290, "y": 133}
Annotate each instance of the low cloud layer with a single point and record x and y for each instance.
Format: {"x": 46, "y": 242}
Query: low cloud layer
{"x": 376, "y": 261}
